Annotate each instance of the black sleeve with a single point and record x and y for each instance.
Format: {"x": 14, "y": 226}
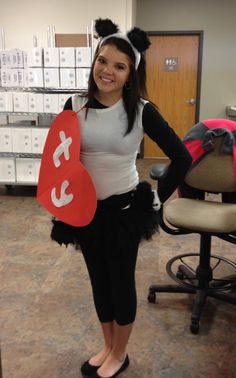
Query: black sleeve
{"x": 68, "y": 104}
{"x": 160, "y": 132}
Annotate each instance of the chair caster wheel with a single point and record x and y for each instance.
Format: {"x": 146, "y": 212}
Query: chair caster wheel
{"x": 179, "y": 275}
{"x": 152, "y": 297}
{"x": 194, "y": 327}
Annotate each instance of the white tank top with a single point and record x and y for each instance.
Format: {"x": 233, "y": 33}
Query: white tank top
{"x": 109, "y": 155}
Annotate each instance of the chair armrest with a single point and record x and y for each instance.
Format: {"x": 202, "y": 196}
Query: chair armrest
{"x": 157, "y": 171}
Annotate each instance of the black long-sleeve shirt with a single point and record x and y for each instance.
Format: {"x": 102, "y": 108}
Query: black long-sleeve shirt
{"x": 164, "y": 136}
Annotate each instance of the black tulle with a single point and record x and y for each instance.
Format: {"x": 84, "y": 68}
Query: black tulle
{"x": 139, "y": 39}
{"x": 105, "y": 27}
{"x": 118, "y": 228}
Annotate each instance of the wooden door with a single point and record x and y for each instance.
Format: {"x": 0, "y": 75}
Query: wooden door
{"x": 172, "y": 70}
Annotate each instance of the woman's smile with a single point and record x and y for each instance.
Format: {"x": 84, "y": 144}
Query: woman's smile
{"x": 106, "y": 80}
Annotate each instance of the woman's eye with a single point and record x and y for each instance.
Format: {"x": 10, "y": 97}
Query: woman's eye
{"x": 101, "y": 60}
{"x": 120, "y": 67}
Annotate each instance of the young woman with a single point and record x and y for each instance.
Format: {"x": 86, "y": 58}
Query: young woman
{"x": 114, "y": 116}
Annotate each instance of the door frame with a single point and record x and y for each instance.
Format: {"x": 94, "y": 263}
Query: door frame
{"x": 200, "y": 34}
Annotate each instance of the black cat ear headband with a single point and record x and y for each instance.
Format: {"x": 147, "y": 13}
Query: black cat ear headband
{"x": 136, "y": 37}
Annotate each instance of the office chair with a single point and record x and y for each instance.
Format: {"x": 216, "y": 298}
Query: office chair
{"x": 200, "y": 214}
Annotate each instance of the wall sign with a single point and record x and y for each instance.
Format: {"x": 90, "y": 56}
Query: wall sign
{"x": 171, "y": 64}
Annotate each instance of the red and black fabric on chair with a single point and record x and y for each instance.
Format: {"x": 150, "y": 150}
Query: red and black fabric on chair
{"x": 200, "y": 141}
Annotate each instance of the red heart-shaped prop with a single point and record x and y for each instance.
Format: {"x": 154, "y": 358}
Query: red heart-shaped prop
{"x": 65, "y": 188}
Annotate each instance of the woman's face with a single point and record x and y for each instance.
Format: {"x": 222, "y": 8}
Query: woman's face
{"x": 111, "y": 72}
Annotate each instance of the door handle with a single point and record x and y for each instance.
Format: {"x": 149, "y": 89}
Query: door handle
{"x": 191, "y": 101}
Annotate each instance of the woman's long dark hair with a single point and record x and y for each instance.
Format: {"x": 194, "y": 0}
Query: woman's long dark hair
{"x": 136, "y": 86}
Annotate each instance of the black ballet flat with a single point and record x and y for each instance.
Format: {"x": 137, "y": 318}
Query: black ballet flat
{"x": 122, "y": 368}
{"x": 88, "y": 370}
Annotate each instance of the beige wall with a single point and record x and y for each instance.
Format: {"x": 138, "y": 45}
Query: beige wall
{"x": 22, "y": 19}
{"x": 217, "y": 19}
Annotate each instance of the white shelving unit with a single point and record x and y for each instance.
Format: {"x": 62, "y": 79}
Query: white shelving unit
{"x": 39, "y": 80}
{"x": 22, "y": 140}
{"x": 21, "y": 147}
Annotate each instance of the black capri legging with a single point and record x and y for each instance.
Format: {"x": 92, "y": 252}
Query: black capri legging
{"x": 113, "y": 282}
{"x": 110, "y": 253}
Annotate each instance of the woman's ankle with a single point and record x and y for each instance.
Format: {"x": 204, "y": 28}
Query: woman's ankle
{"x": 100, "y": 357}
{"x": 118, "y": 355}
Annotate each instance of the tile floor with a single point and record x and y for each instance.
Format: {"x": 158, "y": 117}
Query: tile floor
{"x": 47, "y": 321}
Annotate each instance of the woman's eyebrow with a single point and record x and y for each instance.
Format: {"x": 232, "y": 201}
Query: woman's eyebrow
{"x": 123, "y": 63}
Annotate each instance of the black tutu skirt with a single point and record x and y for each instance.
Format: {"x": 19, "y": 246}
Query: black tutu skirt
{"x": 118, "y": 221}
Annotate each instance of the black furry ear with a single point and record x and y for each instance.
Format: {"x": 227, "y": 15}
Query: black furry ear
{"x": 105, "y": 27}
{"x": 139, "y": 39}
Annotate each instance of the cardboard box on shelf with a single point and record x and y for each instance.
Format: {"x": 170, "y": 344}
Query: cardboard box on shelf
{"x": 39, "y": 136}
{"x": 36, "y": 102}
{"x": 16, "y": 58}
{"x": 21, "y": 140}
{"x": 6, "y": 102}
{"x": 7, "y": 170}
{"x": 67, "y": 78}
{"x": 67, "y": 57}
{"x": 26, "y": 170}
{"x": 62, "y": 98}
{"x": 51, "y": 57}
{"x": 5, "y": 59}
{"x": 83, "y": 57}
{"x": 21, "y": 102}
{"x": 5, "y": 139}
{"x": 50, "y": 103}
{"x": 51, "y": 78}
{"x": 35, "y": 77}
{"x": 82, "y": 76}
{"x": 35, "y": 57}
{"x": 6, "y": 77}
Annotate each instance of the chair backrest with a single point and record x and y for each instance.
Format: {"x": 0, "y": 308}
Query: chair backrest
{"x": 214, "y": 172}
